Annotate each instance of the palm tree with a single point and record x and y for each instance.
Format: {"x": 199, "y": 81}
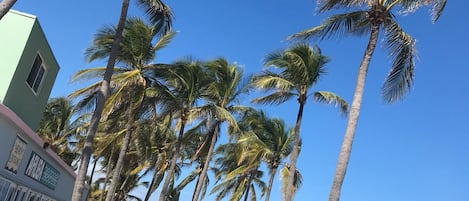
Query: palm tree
{"x": 5, "y": 6}
{"x": 132, "y": 80}
{"x": 301, "y": 67}
{"x": 59, "y": 130}
{"x": 266, "y": 139}
{"x": 237, "y": 174}
{"x": 222, "y": 96}
{"x": 161, "y": 16}
{"x": 186, "y": 80}
{"x": 372, "y": 17}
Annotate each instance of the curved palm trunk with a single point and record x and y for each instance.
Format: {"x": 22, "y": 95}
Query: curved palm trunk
{"x": 172, "y": 167}
{"x": 203, "y": 174}
{"x": 103, "y": 94}
{"x": 346, "y": 149}
{"x": 271, "y": 183}
{"x": 120, "y": 161}
{"x": 5, "y": 6}
{"x": 295, "y": 152}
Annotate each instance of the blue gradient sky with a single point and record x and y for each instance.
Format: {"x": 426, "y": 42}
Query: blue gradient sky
{"x": 413, "y": 150}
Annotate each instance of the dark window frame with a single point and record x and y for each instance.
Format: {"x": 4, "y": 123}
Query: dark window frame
{"x": 36, "y": 74}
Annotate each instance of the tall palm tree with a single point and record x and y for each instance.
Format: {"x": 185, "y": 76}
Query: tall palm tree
{"x": 161, "y": 16}
{"x": 300, "y": 68}
{"x": 266, "y": 139}
{"x": 222, "y": 96}
{"x": 59, "y": 129}
{"x": 5, "y": 6}
{"x": 136, "y": 53}
{"x": 186, "y": 80}
{"x": 372, "y": 17}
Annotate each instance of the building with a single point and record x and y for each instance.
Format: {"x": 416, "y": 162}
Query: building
{"x": 29, "y": 171}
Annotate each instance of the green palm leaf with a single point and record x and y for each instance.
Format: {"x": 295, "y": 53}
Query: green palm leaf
{"x": 401, "y": 47}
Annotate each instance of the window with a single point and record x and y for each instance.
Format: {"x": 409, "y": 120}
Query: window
{"x": 37, "y": 73}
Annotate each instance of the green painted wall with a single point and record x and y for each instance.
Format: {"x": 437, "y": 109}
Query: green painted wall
{"x": 19, "y": 97}
{"x": 13, "y": 39}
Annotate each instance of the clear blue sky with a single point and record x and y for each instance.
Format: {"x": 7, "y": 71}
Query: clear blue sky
{"x": 414, "y": 150}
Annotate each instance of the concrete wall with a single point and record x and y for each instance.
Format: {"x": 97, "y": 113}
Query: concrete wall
{"x": 10, "y": 128}
{"x": 19, "y": 97}
{"x": 13, "y": 42}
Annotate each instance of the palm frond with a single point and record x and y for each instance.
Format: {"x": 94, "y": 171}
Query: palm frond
{"x": 159, "y": 14}
{"x": 269, "y": 81}
{"x": 275, "y": 98}
{"x": 401, "y": 47}
{"x": 337, "y": 26}
{"x": 164, "y": 41}
{"x": 332, "y": 99}
{"x": 324, "y": 6}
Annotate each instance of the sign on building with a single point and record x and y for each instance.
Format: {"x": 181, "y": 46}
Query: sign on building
{"x": 41, "y": 171}
{"x": 16, "y": 155}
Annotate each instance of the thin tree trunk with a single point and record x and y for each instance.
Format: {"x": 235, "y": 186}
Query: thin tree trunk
{"x": 91, "y": 176}
{"x": 120, "y": 161}
{"x": 271, "y": 183}
{"x": 108, "y": 171}
{"x": 203, "y": 174}
{"x": 103, "y": 94}
{"x": 5, "y": 6}
{"x": 152, "y": 187}
{"x": 249, "y": 188}
{"x": 346, "y": 149}
{"x": 295, "y": 152}
{"x": 172, "y": 167}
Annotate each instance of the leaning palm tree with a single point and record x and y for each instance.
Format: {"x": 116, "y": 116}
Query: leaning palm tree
{"x": 301, "y": 67}
{"x": 372, "y": 17}
{"x": 266, "y": 139}
{"x": 137, "y": 51}
{"x": 222, "y": 96}
{"x": 186, "y": 80}
{"x": 5, "y": 6}
{"x": 161, "y": 16}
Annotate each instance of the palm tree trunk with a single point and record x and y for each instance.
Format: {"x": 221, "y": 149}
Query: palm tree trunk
{"x": 91, "y": 176}
{"x": 103, "y": 94}
{"x": 271, "y": 183}
{"x": 295, "y": 153}
{"x": 172, "y": 167}
{"x": 203, "y": 174}
{"x": 120, "y": 161}
{"x": 152, "y": 186}
{"x": 5, "y": 6}
{"x": 249, "y": 188}
{"x": 108, "y": 171}
{"x": 346, "y": 149}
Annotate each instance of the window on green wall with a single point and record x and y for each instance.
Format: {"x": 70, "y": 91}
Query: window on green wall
{"x": 36, "y": 74}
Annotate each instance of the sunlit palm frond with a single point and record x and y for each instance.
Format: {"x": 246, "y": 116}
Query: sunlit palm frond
{"x": 337, "y": 26}
{"x": 275, "y": 98}
{"x": 332, "y": 99}
{"x": 269, "y": 81}
{"x": 297, "y": 181}
{"x": 401, "y": 48}
{"x": 164, "y": 41}
{"x": 90, "y": 73}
